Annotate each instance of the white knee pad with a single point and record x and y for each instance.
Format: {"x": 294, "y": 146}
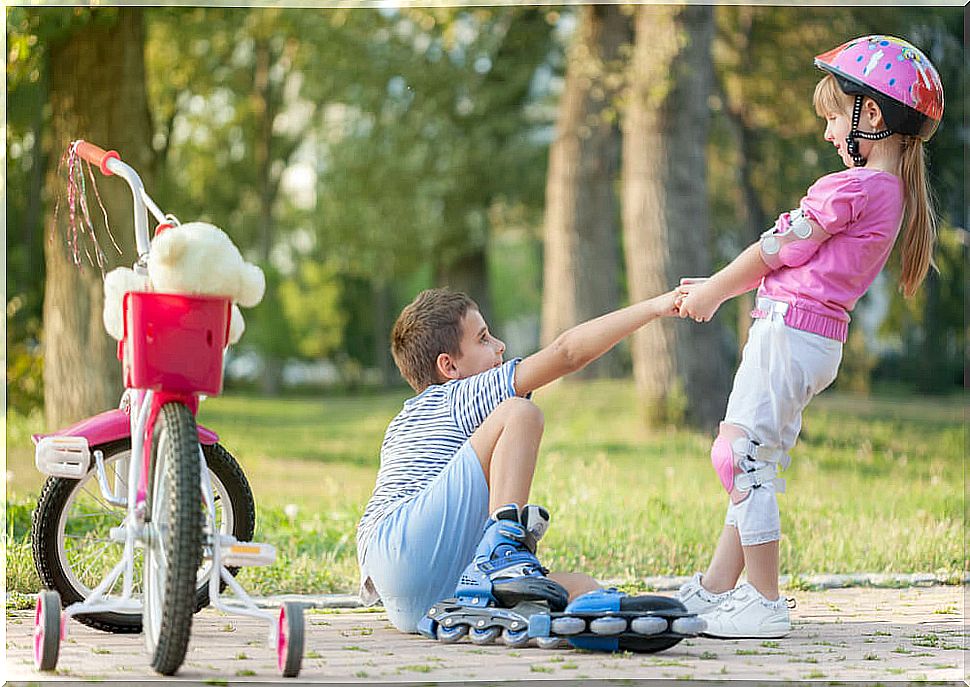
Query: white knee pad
{"x": 743, "y": 464}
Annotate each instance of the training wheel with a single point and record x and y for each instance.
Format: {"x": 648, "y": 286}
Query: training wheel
{"x": 47, "y": 630}
{"x": 290, "y": 639}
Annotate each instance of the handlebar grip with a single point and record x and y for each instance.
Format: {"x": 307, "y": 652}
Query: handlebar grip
{"x": 96, "y": 156}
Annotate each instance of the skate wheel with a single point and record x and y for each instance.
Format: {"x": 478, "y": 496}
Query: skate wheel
{"x": 450, "y": 635}
{"x": 568, "y": 626}
{"x": 290, "y": 639}
{"x": 486, "y": 636}
{"x": 47, "y": 630}
{"x": 651, "y": 625}
{"x": 608, "y": 626}
{"x": 550, "y": 642}
{"x": 690, "y": 625}
{"x": 515, "y": 638}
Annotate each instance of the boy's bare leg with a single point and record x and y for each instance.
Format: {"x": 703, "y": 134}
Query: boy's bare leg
{"x": 507, "y": 444}
{"x": 575, "y": 583}
{"x": 761, "y": 562}
{"x": 726, "y": 563}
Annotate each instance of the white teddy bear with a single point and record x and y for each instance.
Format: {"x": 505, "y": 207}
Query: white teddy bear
{"x": 193, "y": 258}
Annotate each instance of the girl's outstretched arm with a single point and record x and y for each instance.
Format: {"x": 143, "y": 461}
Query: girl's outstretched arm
{"x": 701, "y": 300}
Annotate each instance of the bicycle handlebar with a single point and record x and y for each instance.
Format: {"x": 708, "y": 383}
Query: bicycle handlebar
{"x": 96, "y": 156}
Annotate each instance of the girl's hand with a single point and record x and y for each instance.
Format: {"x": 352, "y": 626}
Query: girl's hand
{"x": 698, "y": 301}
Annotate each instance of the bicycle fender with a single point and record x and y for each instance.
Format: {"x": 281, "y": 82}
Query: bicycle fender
{"x": 112, "y": 425}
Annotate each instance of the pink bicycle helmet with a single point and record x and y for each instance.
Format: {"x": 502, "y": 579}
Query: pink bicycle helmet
{"x": 894, "y": 73}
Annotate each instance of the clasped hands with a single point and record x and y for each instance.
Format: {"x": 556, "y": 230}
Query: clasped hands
{"x": 696, "y": 299}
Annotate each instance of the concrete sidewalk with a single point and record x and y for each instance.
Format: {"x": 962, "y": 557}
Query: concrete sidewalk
{"x": 839, "y": 634}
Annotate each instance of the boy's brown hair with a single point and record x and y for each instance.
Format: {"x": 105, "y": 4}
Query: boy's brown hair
{"x": 427, "y": 327}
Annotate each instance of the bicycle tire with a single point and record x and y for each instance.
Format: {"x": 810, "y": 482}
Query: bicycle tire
{"x": 50, "y": 524}
{"x": 173, "y": 552}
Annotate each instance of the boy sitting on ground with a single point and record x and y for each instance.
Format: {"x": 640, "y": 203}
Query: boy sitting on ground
{"x": 465, "y": 448}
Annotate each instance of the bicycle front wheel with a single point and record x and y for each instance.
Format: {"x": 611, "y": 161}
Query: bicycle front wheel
{"x": 173, "y": 550}
{"x": 71, "y": 531}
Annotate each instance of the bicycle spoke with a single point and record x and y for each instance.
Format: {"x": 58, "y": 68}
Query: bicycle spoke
{"x": 84, "y": 570}
{"x": 84, "y": 537}
{"x": 99, "y": 514}
{"x": 108, "y": 508}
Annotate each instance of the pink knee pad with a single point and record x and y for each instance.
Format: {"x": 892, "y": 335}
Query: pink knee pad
{"x": 730, "y": 448}
{"x": 743, "y": 464}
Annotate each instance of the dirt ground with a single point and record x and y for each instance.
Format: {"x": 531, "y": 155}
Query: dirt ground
{"x": 915, "y": 633}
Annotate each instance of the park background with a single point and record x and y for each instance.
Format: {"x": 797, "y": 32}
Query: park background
{"x": 553, "y": 162}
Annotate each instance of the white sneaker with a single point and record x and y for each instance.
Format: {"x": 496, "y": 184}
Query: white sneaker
{"x": 697, "y": 599}
{"x": 746, "y": 613}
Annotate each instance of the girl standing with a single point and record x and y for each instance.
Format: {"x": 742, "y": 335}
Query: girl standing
{"x": 881, "y": 99}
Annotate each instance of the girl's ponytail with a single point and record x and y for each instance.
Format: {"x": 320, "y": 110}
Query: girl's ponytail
{"x": 920, "y": 217}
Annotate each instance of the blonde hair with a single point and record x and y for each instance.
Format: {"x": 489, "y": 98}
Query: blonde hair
{"x": 829, "y": 98}
{"x": 919, "y": 216}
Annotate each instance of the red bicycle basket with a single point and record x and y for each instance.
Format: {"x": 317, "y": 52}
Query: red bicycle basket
{"x": 174, "y": 342}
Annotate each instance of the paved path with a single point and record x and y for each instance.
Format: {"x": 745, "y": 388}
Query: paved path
{"x": 839, "y": 634}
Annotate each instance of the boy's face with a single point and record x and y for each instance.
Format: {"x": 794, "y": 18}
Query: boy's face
{"x": 479, "y": 350}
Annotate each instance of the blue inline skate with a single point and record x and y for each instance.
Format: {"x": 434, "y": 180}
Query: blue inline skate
{"x": 503, "y": 585}
{"x": 609, "y": 620}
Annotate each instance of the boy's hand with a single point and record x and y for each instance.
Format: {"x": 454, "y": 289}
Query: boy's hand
{"x": 669, "y": 303}
{"x": 697, "y": 300}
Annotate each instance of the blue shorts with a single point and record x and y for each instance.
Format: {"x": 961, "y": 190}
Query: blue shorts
{"x": 419, "y": 551}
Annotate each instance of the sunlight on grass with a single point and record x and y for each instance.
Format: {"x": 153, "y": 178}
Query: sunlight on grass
{"x": 874, "y": 486}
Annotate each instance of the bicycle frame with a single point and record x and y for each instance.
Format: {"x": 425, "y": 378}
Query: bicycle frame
{"x": 144, "y": 405}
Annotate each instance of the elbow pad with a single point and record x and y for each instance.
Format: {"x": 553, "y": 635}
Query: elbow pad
{"x": 792, "y": 241}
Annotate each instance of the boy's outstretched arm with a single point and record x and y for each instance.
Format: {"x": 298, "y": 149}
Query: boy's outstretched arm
{"x": 742, "y": 274}
{"x": 577, "y": 347}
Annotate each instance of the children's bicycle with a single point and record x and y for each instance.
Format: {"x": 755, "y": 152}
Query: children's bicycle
{"x": 142, "y": 494}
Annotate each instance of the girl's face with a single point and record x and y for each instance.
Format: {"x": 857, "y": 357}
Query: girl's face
{"x": 837, "y": 127}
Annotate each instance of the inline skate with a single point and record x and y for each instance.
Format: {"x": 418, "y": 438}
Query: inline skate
{"x": 610, "y": 620}
{"x": 503, "y": 585}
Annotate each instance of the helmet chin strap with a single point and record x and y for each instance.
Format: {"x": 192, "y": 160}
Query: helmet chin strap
{"x": 852, "y": 140}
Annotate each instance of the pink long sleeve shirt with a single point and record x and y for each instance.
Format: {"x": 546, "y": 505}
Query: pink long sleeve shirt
{"x": 862, "y": 209}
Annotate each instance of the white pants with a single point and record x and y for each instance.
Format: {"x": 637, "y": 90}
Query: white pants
{"x": 781, "y": 370}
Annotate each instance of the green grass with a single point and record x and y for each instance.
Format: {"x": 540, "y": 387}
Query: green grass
{"x": 875, "y": 486}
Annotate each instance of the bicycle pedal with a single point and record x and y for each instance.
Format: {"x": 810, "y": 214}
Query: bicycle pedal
{"x": 242, "y": 554}
{"x": 63, "y": 456}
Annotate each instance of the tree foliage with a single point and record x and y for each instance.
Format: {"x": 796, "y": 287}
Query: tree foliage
{"x": 362, "y": 154}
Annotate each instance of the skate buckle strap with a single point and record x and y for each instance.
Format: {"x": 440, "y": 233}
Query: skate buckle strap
{"x": 512, "y": 530}
{"x": 520, "y": 559}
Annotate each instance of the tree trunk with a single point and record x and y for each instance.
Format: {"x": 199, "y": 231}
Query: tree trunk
{"x": 581, "y": 254}
{"x": 468, "y": 274}
{"x": 381, "y": 294}
{"x": 33, "y": 219}
{"x": 98, "y": 94}
{"x": 265, "y": 106}
{"x": 680, "y": 367}
{"x": 751, "y": 209}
